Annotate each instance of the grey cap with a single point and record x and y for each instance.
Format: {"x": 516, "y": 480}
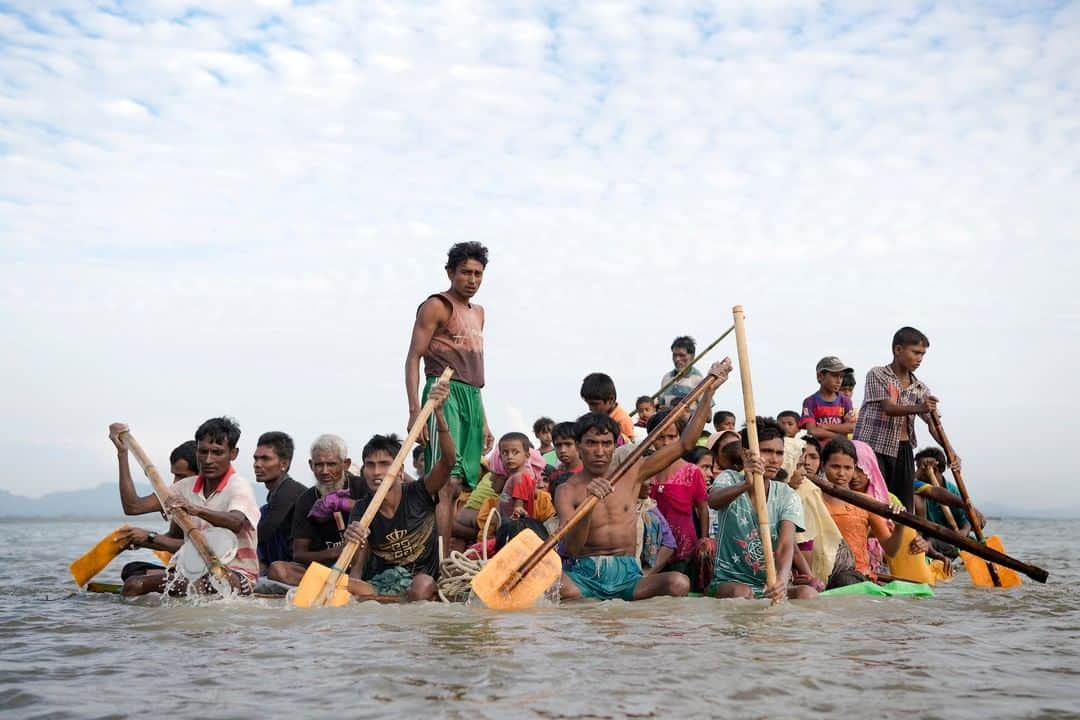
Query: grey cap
{"x": 832, "y": 364}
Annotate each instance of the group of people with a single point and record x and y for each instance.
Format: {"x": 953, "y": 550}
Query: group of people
{"x": 681, "y": 518}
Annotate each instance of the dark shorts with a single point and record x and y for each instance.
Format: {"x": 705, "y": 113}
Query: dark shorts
{"x": 137, "y": 568}
{"x": 899, "y": 474}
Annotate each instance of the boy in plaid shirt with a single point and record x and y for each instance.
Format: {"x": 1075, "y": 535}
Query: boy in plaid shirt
{"x": 892, "y": 397}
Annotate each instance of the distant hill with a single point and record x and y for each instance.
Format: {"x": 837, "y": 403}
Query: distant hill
{"x": 102, "y": 501}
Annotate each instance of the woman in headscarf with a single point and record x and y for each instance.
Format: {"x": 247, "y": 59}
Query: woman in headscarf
{"x": 680, "y": 495}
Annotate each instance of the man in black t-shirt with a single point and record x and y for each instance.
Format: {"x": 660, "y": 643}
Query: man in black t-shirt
{"x": 319, "y": 514}
{"x": 399, "y": 553}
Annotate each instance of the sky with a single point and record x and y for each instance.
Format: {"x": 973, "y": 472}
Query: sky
{"x": 236, "y": 207}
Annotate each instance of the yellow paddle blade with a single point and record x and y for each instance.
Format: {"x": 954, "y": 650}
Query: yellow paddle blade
{"x": 488, "y": 584}
{"x": 912, "y": 568}
{"x": 98, "y": 557}
{"x": 312, "y": 584}
{"x": 980, "y": 573}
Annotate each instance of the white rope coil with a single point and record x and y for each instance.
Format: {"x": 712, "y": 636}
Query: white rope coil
{"x": 457, "y": 569}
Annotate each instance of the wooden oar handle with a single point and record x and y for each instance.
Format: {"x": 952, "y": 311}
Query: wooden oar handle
{"x": 179, "y": 516}
{"x": 950, "y": 456}
{"x": 760, "y": 506}
{"x": 969, "y": 508}
{"x": 689, "y": 366}
{"x": 591, "y": 501}
{"x": 945, "y": 509}
{"x": 930, "y": 529}
{"x": 348, "y": 552}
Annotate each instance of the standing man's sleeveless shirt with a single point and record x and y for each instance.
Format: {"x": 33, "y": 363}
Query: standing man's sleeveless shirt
{"x": 458, "y": 344}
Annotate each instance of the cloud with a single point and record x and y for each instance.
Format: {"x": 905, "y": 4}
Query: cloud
{"x": 238, "y": 209}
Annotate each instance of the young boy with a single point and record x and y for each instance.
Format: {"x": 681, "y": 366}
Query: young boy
{"x": 724, "y": 420}
{"x": 789, "y": 423}
{"x": 847, "y": 385}
{"x": 566, "y": 451}
{"x": 646, "y": 408}
{"x": 542, "y": 430}
{"x": 518, "y": 496}
{"x": 893, "y": 395}
{"x": 930, "y": 496}
{"x": 598, "y": 392}
{"x": 828, "y": 412}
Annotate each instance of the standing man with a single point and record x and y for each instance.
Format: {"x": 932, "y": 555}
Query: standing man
{"x": 449, "y": 332}
{"x": 683, "y": 349}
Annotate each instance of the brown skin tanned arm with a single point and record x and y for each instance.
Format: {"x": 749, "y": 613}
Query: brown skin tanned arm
{"x": 670, "y": 453}
{"x": 431, "y": 314}
{"x": 721, "y": 497}
{"x": 305, "y": 556}
{"x": 131, "y": 501}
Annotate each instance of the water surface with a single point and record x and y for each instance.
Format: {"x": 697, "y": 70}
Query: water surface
{"x": 967, "y": 653}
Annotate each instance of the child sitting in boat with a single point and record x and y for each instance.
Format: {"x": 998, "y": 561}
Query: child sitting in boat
{"x": 598, "y": 392}
{"x": 857, "y": 526}
{"x": 518, "y": 496}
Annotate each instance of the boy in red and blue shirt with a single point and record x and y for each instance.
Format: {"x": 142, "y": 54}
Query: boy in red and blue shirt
{"x": 828, "y": 413}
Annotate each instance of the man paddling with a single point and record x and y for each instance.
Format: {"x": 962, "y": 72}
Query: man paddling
{"x": 739, "y": 571}
{"x": 604, "y": 545}
{"x": 320, "y": 513}
{"x": 449, "y": 332}
{"x": 217, "y": 497}
{"x": 399, "y": 552}
{"x": 182, "y": 464}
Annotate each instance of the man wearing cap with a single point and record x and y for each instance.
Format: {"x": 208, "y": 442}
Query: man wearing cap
{"x": 828, "y": 413}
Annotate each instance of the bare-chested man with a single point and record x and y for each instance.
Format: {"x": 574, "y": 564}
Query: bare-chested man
{"x": 604, "y": 545}
{"x": 449, "y": 332}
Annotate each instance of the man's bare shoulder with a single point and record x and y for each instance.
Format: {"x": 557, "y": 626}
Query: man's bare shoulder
{"x": 435, "y": 307}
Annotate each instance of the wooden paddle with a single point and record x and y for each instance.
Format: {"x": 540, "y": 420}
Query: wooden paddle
{"x": 526, "y": 566}
{"x": 996, "y": 577}
{"x": 329, "y": 586}
{"x": 758, "y": 481}
{"x": 930, "y": 529}
{"x": 945, "y": 509}
{"x": 217, "y": 569}
{"x": 689, "y": 366}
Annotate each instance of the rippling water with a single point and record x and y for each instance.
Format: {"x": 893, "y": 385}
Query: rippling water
{"x": 966, "y": 653}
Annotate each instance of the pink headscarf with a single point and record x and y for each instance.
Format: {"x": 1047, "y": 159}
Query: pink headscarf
{"x": 877, "y": 490}
{"x": 868, "y": 464}
{"x": 535, "y": 464}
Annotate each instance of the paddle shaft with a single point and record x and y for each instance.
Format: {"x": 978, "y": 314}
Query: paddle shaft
{"x": 181, "y": 518}
{"x": 760, "y": 507}
{"x": 349, "y": 551}
{"x": 591, "y": 501}
{"x": 945, "y": 509}
{"x": 930, "y": 529}
{"x": 950, "y": 455}
{"x": 689, "y": 366}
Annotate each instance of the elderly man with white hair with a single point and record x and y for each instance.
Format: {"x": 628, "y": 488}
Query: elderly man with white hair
{"x": 320, "y": 514}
